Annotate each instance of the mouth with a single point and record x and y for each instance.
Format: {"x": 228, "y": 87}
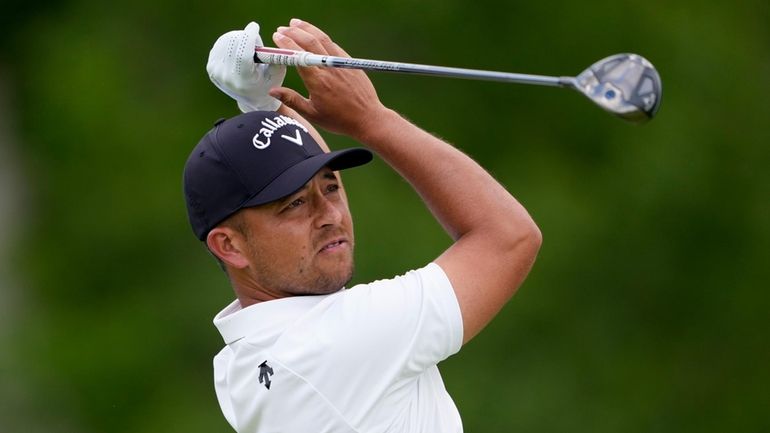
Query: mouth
{"x": 334, "y": 245}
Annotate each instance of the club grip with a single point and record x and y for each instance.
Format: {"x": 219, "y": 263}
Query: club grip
{"x": 276, "y": 56}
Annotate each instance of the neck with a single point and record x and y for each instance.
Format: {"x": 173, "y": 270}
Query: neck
{"x": 248, "y": 290}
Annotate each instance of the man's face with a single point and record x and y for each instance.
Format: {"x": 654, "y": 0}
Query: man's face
{"x": 303, "y": 243}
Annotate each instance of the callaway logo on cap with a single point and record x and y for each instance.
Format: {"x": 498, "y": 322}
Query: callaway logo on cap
{"x": 253, "y": 159}
{"x": 270, "y": 126}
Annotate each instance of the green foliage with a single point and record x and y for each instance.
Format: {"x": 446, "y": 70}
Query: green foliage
{"x": 646, "y": 311}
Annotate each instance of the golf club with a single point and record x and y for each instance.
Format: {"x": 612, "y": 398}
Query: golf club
{"x": 626, "y": 85}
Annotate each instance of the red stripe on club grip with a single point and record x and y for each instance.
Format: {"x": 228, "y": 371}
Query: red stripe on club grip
{"x": 268, "y": 50}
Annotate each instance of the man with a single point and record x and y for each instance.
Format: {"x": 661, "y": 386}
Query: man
{"x": 304, "y": 354}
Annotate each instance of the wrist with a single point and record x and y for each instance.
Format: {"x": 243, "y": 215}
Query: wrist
{"x": 378, "y": 126}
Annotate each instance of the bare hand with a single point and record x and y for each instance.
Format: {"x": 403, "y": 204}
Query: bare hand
{"x": 343, "y": 101}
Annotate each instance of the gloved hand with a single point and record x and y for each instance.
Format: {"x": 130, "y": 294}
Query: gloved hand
{"x": 232, "y": 69}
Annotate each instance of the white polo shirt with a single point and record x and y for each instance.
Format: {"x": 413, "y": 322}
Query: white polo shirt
{"x": 360, "y": 360}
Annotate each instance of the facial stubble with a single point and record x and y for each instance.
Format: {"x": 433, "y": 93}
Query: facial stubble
{"x": 304, "y": 280}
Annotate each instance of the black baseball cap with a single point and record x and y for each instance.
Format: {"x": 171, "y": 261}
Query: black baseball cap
{"x": 252, "y": 159}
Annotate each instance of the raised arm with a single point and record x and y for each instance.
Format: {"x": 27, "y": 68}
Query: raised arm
{"x": 496, "y": 241}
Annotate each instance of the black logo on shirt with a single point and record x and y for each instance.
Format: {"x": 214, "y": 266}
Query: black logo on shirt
{"x": 265, "y": 371}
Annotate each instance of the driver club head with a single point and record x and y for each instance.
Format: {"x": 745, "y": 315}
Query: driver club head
{"x": 626, "y": 85}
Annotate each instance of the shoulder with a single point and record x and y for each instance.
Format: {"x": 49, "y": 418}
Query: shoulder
{"x": 426, "y": 281}
{"x": 387, "y": 313}
{"x": 401, "y": 298}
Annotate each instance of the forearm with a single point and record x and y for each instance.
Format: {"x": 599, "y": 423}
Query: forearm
{"x": 462, "y": 196}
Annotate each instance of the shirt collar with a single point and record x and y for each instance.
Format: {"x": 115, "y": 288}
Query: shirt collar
{"x": 265, "y": 318}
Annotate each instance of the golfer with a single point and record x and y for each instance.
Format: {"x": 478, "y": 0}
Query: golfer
{"x": 304, "y": 352}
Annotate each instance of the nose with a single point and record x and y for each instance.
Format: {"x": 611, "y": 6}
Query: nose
{"x": 327, "y": 212}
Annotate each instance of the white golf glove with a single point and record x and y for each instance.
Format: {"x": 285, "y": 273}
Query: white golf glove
{"x": 232, "y": 69}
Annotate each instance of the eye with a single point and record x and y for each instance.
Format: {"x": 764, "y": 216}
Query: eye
{"x": 296, "y": 203}
{"x": 332, "y": 188}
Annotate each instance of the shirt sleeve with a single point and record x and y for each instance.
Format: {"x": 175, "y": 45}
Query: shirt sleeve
{"x": 375, "y": 336}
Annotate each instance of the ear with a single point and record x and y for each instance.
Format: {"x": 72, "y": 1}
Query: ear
{"x": 224, "y": 243}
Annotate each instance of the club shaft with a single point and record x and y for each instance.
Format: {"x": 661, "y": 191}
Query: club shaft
{"x": 302, "y": 58}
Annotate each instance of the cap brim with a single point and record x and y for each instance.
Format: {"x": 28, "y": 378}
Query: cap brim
{"x": 298, "y": 175}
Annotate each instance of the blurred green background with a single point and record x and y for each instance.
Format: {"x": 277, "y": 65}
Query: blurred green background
{"x": 647, "y": 310}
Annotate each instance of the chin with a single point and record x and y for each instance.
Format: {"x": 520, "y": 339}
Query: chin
{"x": 330, "y": 283}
